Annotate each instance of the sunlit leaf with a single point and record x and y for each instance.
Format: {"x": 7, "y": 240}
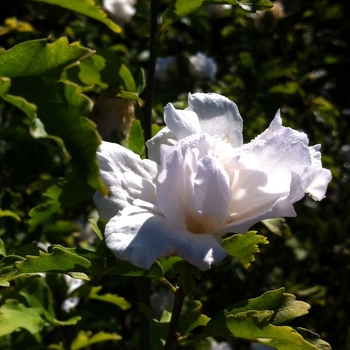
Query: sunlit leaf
{"x": 87, "y": 8}
{"x": 254, "y": 325}
{"x": 37, "y": 57}
{"x": 59, "y": 260}
{"x": 14, "y": 315}
{"x": 13, "y": 24}
{"x": 243, "y": 247}
{"x": 262, "y": 319}
{"x": 9, "y": 213}
{"x": 84, "y": 339}
{"x": 94, "y": 293}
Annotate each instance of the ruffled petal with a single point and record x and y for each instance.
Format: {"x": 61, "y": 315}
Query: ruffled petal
{"x": 182, "y": 123}
{"x": 163, "y": 137}
{"x": 142, "y": 237}
{"x": 127, "y": 177}
{"x": 212, "y": 192}
{"x": 218, "y": 116}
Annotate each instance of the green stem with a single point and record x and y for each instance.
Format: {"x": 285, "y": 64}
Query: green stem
{"x": 147, "y": 123}
{"x": 164, "y": 281}
{"x": 173, "y": 336}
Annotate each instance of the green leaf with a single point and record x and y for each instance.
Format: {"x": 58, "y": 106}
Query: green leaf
{"x": 243, "y": 247}
{"x": 96, "y": 227}
{"x": 125, "y": 268}
{"x": 284, "y": 305}
{"x": 28, "y": 108}
{"x": 136, "y": 140}
{"x": 188, "y": 274}
{"x": 314, "y": 339}
{"x": 84, "y": 339}
{"x": 192, "y": 318}
{"x": 14, "y": 315}
{"x": 93, "y": 293}
{"x": 59, "y": 260}
{"x": 61, "y": 109}
{"x": 254, "y": 325}
{"x": 37, "y": 57}
{"x": 9, "y": 213}
{"x": 278, "y": 226}
{"x": 2, "y": 248}
{"x": 263, "y": 320}
{"x": 159, "y": 329}
{"x": 43, "y": 212}
{"x": 104, "y": 69}
{"x": 87, "y": 8}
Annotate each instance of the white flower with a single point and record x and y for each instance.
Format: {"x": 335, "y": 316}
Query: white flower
{"x": 121, "y": 10}
{"x": 202, "y": 66}
{"x": 72, "y": 284}
{"x": 201, "y": 183}
{"x": 216, "y": 10}
{"x": 214, "y": 345}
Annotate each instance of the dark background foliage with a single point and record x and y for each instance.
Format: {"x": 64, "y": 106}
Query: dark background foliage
{"x": 296, "y": 60}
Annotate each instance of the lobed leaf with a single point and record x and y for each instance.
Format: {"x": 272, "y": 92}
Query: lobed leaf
{"x": 84, "y": 339}
{"x": 254, "y": 326}
{"x": 37, "y": 57}
{"x": 93, "y": 293}
{"x": 243, "y": 247}
{"x": 187, "y": 275}
{"x": 14, "y": 315}
{"x": 87, "y": 8}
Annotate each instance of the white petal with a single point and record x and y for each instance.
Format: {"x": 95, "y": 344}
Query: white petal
{"x": 127, "y": 177}
{"x": 170, "y": 186}
{"x": 212, "y": 190}
{"x": 218, "y": 116}
{"x": 318, "y": 186}
{"x": 163, "y": 137}
{"x": 182, "y": 123}
{"x": 142, "y": 237}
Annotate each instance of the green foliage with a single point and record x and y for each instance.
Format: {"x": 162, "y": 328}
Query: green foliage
{"x": 38, "y": 56}
{"x": 243, "y": 247}
{"x": 263, "y": 320}
{"x": 187, "y": 275}
{"x": 85, "y": 339}
{"x": 181, "y": 8}
{"x": 87, "y": 8}
{"x": 14, "y": 315}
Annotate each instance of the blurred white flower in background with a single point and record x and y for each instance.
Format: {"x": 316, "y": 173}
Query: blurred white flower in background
{"x": 202, "y": 66}
{"x": 162, "y": 301}
{"x": 199, "y": 66}
{"x": 72, "y": 284}
{"x": 214, "y": 345}
{"x": 120, "y": 10}
{"x": 216, "y": 10}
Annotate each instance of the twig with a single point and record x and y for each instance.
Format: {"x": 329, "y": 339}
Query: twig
{"x": 175, "y": 317}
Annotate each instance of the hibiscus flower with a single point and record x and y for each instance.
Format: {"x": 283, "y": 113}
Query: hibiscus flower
{"x": 201, "y": 183}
